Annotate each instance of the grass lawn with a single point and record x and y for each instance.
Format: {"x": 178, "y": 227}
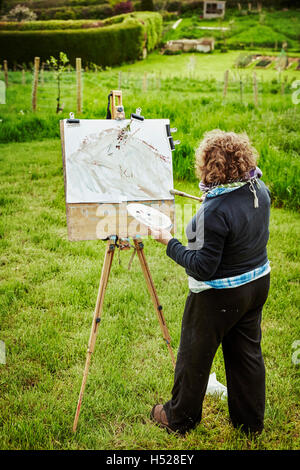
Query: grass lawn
{"x": 48, "y": 292}
{"x": 206, "y": 66}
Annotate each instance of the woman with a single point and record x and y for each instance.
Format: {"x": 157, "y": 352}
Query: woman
{"x": 228, "y": 273}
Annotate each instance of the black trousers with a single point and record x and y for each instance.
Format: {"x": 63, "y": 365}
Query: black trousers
{"x": 230, "y": 317}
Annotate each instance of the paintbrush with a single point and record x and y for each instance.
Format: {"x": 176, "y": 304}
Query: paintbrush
{"x": 181, "y": 193}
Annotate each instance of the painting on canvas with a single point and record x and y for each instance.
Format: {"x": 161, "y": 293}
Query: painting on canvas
{"x": 110, "y": 161}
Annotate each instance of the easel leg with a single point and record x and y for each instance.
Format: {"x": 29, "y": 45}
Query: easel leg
{"x": 140, "y": 251}
{"x": 109, "y": 254}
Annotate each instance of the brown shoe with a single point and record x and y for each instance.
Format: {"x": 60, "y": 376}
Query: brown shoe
{"x": 158, "y": 415}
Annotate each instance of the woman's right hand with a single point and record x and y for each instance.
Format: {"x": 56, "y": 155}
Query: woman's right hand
{"x": 161, "y": 235}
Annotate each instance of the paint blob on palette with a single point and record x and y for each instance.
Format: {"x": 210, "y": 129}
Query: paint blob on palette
{"x": 149, "y": 216}
{"x": 111, "y": 161}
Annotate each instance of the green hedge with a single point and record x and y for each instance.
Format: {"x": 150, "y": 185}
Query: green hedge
{"x": 57, "y": 24}
{"x": 153, "y": 28}
{"x": 144, "y": 17}
{"x": 103, "y": 46}
{"x": 111, "y": 44}
{"x": 48, "y": 25}
{"x": 9, "y": 4}
{"x": 75, "y": 12}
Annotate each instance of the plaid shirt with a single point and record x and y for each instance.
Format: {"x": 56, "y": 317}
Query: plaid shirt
{"x": 229, "y": 282}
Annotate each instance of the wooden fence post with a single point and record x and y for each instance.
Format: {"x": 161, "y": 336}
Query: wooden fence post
{"x": 158, "y": 81}
{"x": 283, "y": 84}
{"x": 255, "y": 89}
{"x": 5, "y": 69}
{"x": 79, "y": 85}
{"x": 226, "y": 75}
{"x": 241, "y": 90}
{"x": 145, "y": 82}
{"x": 42, "y": 73}
{"x": 35, "y": 82}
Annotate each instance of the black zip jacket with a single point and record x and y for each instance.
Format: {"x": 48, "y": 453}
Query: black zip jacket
{"x": 228, "y": 236}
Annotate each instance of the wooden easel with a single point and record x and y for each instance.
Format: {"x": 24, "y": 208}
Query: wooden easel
{"x": 115, "y": 94}
{"x": 111, "y": 246}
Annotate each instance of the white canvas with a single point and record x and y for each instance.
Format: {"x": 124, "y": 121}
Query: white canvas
{"x": 106, "y": 163}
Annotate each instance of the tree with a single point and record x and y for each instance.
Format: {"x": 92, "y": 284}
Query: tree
{"x": 123, "y": 7}
{"x": 58, "y": 66}
{"x": 147, "y": 5}
{"x": 20, "y": 13}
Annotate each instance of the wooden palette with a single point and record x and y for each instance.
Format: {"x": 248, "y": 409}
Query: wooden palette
{"x": 149, "y": 216}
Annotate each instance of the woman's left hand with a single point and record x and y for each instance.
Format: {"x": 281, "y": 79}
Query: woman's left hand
{"x": 161, "y": 235}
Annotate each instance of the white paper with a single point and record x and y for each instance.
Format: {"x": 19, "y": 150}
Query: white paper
{"x": 107, "y": 163}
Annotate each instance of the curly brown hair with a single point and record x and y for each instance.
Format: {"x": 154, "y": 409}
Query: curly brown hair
{"x": 224, "y": 156}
